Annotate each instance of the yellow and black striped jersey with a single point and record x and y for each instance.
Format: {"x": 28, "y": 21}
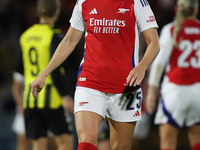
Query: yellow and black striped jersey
{"x": 37, "y": 45}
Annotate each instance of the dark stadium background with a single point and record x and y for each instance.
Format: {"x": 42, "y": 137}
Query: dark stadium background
{"x": 15, "y": 17}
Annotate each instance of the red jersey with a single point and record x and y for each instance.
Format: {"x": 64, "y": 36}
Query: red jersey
{"x": 185, "y": 59}
{"x": 111, "y": 40}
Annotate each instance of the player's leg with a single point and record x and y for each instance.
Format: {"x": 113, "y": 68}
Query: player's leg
{"x": 143, "y": 126}
{"x": 52, "y": 143}
{"x": 168, "y": 136}
{"x": 87, "y": 126}
{"x": 192, "y": 120}
{"x": 121, "y": 134}
{"x": 194, "y": 137}
{"x": 40, "y": 143}
{"x": 64, "y": 142}
{"x": 104, "y": 136}
{"x": 141, "y": 131}
{"x": 90, "y": 108}
{"x": 104, "y": 145}
{"x": 171, "y": 113}
{"x": 19, "y": 128}
{"x": 36, "y": 128}
{"x": 22, "y": 142}
{"x": 60, "y": 142}
{"x": 61, "y": 130}
{"x": 123, "y": 110}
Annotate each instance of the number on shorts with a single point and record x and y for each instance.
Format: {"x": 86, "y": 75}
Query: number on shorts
{"x": 138, "y": 97}
{"x": 130, "y": 96}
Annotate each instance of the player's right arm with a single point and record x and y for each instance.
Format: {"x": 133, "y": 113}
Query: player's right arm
{"x": 64, "y": 49}
{"x": 157, "y": 68}
{"x": 17, "y": 90}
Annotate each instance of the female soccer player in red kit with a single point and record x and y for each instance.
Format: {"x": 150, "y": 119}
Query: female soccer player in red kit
{"x": 179, "y": 101}
{"x": 110, "y": 73}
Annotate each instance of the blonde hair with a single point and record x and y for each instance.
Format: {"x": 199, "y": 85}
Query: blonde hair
{"x": 185, "y": 9}
{"x": 47, "y": 8}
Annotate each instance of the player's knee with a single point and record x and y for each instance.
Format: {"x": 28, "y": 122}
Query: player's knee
{"x": 89, "y": 138}
{"x": 64, "y": 139}
{"x": 168, "y": 135}
{"x": 120, "y": 146}
{"x": 66, "y": 146}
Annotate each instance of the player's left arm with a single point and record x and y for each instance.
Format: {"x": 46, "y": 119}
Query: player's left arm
{"x": 18, "y": 80}
{"x": 17, "y": 93}
{"x": 136, "y": 75}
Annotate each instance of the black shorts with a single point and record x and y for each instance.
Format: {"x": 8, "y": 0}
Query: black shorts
{"x": 39, "y": 121}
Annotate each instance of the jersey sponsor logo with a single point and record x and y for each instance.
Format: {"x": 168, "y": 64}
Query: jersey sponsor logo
{"x": 94, "y": 11}
{"x": 122, "y": 10}
{"x": 144, "y": 3}
{"x": 192, "y": 30}
{"x": 34, "y": 38}
{"x": 151, "y": 19}
{"x": 136, "y": 114}
{"x": 82, "y": 79}
{"x": 107, "y": 22}
{"x": 82, "y": 103}
{"x": 107, "y": 25}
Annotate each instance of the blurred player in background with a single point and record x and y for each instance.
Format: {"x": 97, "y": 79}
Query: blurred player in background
{"x": 18, "y": 124}
{"x": 45, "y": 113}
{"x": 180, "y": 94}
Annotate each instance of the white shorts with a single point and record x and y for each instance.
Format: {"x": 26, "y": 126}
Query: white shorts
{"x": 179, "y": 105}
{"x": 18, "y": 125}
{"x": 124, "y": 107}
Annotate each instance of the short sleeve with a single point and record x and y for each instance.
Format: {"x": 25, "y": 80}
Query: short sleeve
{"x": 76, "y": 20}
{"x": 163, "y": 56}
{"x": 18, "y": 77}
{"x": 166, "y": 45}
{"x": 144, "y": 15}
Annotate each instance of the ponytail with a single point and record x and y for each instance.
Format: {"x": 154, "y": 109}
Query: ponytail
{"x": 185, "y": 9}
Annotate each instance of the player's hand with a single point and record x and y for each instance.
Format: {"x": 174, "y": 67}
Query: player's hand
{"x": 151, "y": 99}
{"x": 136, "y": 76}
{"x": 68, "y": 104}
{"x": 37, "y": 85}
